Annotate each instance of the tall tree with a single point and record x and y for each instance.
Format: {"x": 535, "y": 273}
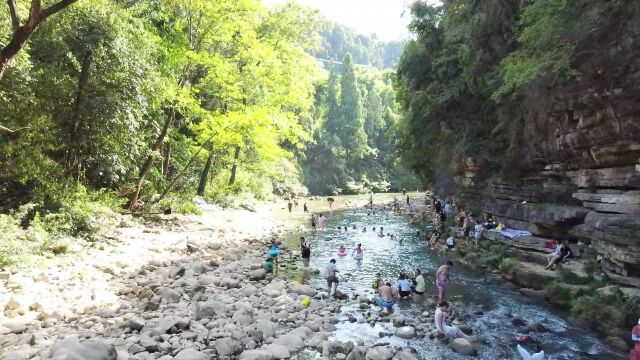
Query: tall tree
{"x": 352, "y": 132}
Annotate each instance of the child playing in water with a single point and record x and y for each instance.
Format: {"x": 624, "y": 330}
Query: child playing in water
{"x": 359, "y": 253}
{"x": 342, "y": 249}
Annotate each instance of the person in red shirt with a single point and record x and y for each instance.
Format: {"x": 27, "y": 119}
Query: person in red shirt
{"x": 635, "y": 337}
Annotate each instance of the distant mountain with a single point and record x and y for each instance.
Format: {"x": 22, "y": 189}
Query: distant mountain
{"x": 338, "y": 40}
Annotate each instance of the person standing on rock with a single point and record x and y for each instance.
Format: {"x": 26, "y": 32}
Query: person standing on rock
{"x": 441, "y": 324}
{"x": 420, "y": 285}
{"x": 478, "y": 231}
{"x": 330, "y": 274}
{"x": 305, "y": 248}
{"x": 442, "y": 276}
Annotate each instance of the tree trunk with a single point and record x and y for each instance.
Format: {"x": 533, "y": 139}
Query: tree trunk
{"x": 234, "y": 168}
{"x": 202, "y": 186}
{"x": 166, "y": 160}
{"x": 149, "y": 161}
{"x": 83, "y": 79}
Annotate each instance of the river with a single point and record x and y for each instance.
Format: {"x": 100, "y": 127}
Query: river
{"x": 486, "y": 303}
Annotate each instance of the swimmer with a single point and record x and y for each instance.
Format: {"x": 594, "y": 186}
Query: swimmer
{"x": 374, "y": 228}
{"x": 364, "y": 229}
{"x": 359, "y": 253}
{"x": 345, "y": 229}
{"x": 400, "y": 241}
{"x": 354, "y": 227}
{"x": 381, "y": 234}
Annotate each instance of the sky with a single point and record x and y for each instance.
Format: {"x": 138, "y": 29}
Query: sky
{"x": 381, "y": 17}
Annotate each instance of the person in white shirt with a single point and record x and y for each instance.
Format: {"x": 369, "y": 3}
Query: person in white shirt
{"x": 404, "y": 287}
{"x": 450, "y": 243}
{"x": 330, "y": 272}
{"x": 420, "y": 283}
{"x": 478, "y": 231}
{"x": 441, "y": 324}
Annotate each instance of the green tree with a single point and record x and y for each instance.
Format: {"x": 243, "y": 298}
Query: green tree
{"x": 351, "y": 113}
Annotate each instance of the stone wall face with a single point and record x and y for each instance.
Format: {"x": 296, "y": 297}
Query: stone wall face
{"x": 581, "y": 160}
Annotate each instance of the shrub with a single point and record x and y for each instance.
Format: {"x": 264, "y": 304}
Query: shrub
{"x": 510, "y": 266}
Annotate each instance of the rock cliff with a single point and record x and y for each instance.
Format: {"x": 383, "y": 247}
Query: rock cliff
{"x": 579, "y": 158}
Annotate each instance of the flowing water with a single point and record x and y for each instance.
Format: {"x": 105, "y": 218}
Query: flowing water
{"x": 490, "y": 304}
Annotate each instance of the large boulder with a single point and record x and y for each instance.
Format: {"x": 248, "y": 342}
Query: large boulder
{"x": 267, "y": 328}
{"x": 398, "y": 320}
{"x": 302, "y": 289}
{"x": 72, "y": 349}
{"x": 462, "y": 346}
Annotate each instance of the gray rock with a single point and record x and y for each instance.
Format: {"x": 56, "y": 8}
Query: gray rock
{"x": 208, "y": 309}
{"x": 242, "y": 317}
{"x": 398, "y": 320}
{"x": 292, "y": 341}
{"x": 169, "y": 295}
{"x": 257, "y": 355}
{"x": 462, "y": 346}
{"x": 71, "y": 349}
{"x": 278, "y": 351}
{"x": 148, "y": 343}
{"x": 378, "y": 353}
{"x": 177, "y": 271}
{"x": 267, "y": 327}
{"x": 405, "y": 332}
{"x": 191, "y": 354}
{"x": 136, "y": 323}
{"x": 227, "y": 346}
{"x": 302, "y": 289}
{"x": 257, "y": 274}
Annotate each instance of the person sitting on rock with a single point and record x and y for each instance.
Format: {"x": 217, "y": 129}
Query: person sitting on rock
{"x": 562, "y": 255}
{"x": 441, "y": 325}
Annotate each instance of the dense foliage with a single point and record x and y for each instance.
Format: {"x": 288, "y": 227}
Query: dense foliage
{"x": 338, "y": 40}
{"x": 477, "y": 69}
{"x": 135, "y": 105}
{"x": 354, "y": 134}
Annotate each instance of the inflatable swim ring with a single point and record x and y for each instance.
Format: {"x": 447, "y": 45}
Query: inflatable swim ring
{"x": 342, "y": 253}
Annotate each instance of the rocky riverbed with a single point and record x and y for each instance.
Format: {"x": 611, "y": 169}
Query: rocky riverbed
{"x": 191, "y": 290}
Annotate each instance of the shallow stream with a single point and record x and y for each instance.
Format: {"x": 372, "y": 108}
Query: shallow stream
{"x": 490, "y": 304}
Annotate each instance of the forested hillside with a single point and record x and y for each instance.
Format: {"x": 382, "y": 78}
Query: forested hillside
{"x": 339, "y": 40}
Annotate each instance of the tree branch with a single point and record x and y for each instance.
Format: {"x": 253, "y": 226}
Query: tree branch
{"x": 55, "y": 8}
{"x": 15, "y": 19}
{"x": 34, "y": 13}
{"x": 10, "y": 131}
